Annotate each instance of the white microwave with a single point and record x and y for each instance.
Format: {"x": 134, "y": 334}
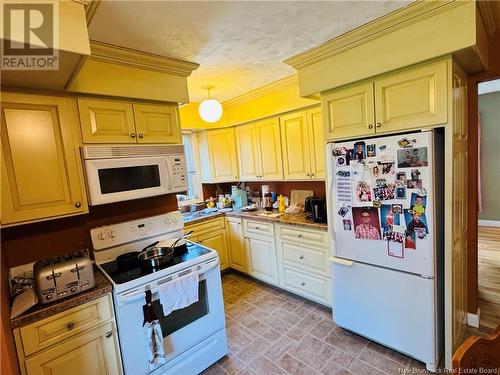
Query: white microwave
{"x": 121, "y": 173}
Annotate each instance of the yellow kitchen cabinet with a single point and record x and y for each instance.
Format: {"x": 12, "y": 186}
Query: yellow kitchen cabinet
{"x": 303, "y": 145}
{"x": 216, "y": 240}
{"x": 211, "y": 233}
{"x": 112, "y": 121}
{"x": 259, "y": 151}
{"x": 218, "y": 156}
{"x": 81, "y": 340}
{"x": 41, "y": 170}
{"x": 411, "y": 98}
{"x": 157, "y": 123}
{"x": 236, "y": 245}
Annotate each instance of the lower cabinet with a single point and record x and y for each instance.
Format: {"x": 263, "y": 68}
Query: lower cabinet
{"x": 81, "y": 340}
{"x": 236, "y": 244}
{"x": 261, "y": 258}
{"x": 216, "y": 240}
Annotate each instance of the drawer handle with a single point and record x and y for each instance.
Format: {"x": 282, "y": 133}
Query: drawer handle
{"x": 78, "y": 205}
{"x": 301, "y": 257}
{"x": 70, "y": 326}
{"x": 141, "y": 135}
{"x": 303, "y": 283}
{"x": 299, "y": 235}
{"x": 132, "y": 135}
{"x": 109, "y": 334}
{"x": 257, "y": 228}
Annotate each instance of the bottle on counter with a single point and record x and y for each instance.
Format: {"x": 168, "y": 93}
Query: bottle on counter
{"x": 281, "y": 204}
{"x": 268, "y": 202}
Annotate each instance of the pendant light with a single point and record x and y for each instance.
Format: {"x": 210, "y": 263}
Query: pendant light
{"x": 210, "y": 110}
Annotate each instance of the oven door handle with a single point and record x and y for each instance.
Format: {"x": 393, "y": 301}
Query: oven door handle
{"x": 138, "y": 293}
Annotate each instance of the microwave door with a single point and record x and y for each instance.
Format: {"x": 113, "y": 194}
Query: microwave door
{"x": 113, "y": 180}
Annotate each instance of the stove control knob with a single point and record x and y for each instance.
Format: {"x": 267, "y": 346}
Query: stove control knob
{"x": 73, "y": 290}
{"x": 167, "y": 221}
{"x": 101, "y": 236}
{"x": 48, "y": 296}
{"x": 112, "y": 234}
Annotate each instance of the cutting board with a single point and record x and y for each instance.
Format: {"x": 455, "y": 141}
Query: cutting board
{"x": 297, "y": 196}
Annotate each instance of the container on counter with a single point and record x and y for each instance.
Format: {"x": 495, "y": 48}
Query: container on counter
{"x": 268, "y": 202}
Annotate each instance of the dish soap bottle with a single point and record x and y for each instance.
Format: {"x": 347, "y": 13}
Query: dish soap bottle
{"x": 281, "y": 204}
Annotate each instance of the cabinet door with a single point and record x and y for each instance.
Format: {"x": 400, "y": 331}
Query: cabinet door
{"x": 106, "y": 121}
{"x": 412, "y": 99}
{"x": 222, "y": 155}
{"x": 216, "y": 240}
{"x": 247, "y": 152}
{"x": 349, "y": 111}
{"x": 237, "y": 256}
{"x": 296, "y": 161}
{"x": 261, "y": 259}
{"x": 269, "y": 146}
{"x": 157, "y": 123}
{"x": 317, "y": 145}
{"x": 42, "y": 175}
{"x": 93, "y": 352}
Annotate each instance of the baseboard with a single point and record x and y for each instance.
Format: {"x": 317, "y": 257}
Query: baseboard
{"x": 488, "y": 223}
{"x": 473, "y": 319}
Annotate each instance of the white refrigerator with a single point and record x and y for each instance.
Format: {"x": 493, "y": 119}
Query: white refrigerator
{"x": 385, "y": 219}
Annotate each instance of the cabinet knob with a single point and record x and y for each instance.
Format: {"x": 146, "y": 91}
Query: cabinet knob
{"x": 312, "y": 174}
{"x": 141, "y": 135}
{"x": 236, "y": 177}
{"x": 132, "y": 135}
{"x": 379, "y": 124}
{"x": 303, "y": 283}
{"x": 70, "y": 326}
{"x": 256, "y": 227}
{"x": 370, "y": 126}
{"x": 78, "y": 204}
{"x": 301, "y": 257}
{"x": 299, "y": 235}
{"x": 308, "y": 174}
{"x": 109, "y": 334}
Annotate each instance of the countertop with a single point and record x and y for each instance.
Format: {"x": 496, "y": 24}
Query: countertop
{"x": 298, "y": 219}
{"x": 39, "y": 311}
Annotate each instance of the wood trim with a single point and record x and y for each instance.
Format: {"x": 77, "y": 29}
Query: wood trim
{"x": 387, "y": 24}
{"x": 90, "y": 9}
{"x": 487, "y": 16}
{"x": 262, "y": 91}
{"x": 113, "y": 54}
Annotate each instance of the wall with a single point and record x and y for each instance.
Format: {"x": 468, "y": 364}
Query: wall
{"x": 489, "y": 110}
{"x": 281, "y": 187}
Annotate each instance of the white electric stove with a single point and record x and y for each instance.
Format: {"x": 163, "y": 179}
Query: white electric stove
{"x": 193, "y": 337}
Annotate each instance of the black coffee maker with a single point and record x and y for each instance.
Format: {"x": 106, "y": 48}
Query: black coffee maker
{"x": 316, "y": 209}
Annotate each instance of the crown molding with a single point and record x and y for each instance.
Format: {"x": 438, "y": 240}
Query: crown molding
{"x": 389, "y": 23}
{"x": 487, "y": 16}
{"x": 270, "y": 88}
{"x": 90, "y": 9}
{"x": 110, "y": 53}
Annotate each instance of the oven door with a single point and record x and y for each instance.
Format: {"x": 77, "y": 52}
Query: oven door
{"x": 181, "y": 329}
{"x": 114, "y": 180}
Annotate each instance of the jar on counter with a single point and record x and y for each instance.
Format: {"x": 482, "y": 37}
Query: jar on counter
{"x": 268, "y": 202}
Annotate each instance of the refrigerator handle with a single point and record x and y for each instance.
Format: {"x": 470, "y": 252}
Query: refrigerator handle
{"x": 342, "y": 262}
{"x": 329, "y": 192}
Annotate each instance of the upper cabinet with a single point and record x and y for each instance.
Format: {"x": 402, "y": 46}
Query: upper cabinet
{"x": 409, "y": 99}
{"x": 42, "y": 176}
{"x": 259, "y": 151}
{"x": 303, "y": 145}
{"x": 218, "y": 156}
{"x": 111, "y": 121}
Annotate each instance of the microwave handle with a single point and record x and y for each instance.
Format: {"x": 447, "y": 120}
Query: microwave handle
{"x": 170, "y": 176}
{"x": 139, "y": 292}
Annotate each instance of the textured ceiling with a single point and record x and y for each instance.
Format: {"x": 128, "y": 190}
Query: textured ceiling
{"x": 240, "y": 45}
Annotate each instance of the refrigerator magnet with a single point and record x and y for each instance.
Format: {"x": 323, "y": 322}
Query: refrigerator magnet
{"x": 347, "y": 223}
{"x": 395, "y": 249}
{"x": 371, "y": 150}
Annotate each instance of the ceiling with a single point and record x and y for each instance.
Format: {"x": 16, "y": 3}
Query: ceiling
{"x": 240, "y": 45}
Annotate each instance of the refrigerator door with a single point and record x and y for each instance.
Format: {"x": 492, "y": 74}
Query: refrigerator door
{"x": 391, "y": 173}
{"x": 393, "y": 308}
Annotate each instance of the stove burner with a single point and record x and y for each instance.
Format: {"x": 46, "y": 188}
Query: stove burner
{"x": 128, "y": 260}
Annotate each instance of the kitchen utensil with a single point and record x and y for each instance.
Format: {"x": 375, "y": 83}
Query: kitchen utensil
{"x": 186, "y": 235}
{"x": 156, "y": 256}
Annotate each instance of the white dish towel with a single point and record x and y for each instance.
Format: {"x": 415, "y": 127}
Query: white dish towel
{"x": 179, "y": 293}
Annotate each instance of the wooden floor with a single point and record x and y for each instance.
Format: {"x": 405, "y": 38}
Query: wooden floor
{"x": 489, "y": 275}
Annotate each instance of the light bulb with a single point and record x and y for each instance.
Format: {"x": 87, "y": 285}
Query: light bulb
{"x": 210, "y": 110}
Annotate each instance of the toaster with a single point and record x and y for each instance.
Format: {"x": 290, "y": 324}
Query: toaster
{"x": 63, "y": 276}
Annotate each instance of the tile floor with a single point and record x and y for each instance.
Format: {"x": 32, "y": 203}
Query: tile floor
{"x": 273, "y": 332}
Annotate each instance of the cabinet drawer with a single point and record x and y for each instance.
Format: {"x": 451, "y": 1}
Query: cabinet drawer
{"x": 59, "y": 327}
{"x": 316, "y": 288}
{"x": 262, "y": 228}
{"x": 303, "y": 236}
{"x": 210, "y": 225}
{"x": 310, "y": 259}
